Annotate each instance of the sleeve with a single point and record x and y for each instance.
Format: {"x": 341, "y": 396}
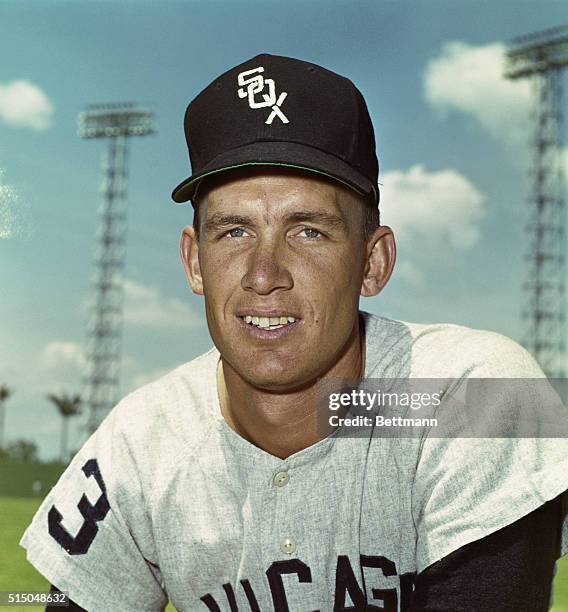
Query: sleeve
{"x": 72, "y": 607}
{"x": 91, "y": 535}
{"x": 510, "y": 570}
{"x": 477, "y": 479}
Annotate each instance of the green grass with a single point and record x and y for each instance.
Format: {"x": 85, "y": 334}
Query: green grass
{"x": 16, "y": 574}
{"x": 561, "y": 586}
{"x": 18, "y": 478}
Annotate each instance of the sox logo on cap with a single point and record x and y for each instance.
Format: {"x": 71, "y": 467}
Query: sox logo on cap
{"x": 255, "y": 83}
{"x": 310, "y": 118}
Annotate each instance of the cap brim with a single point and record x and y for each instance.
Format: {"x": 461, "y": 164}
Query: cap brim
{"x": 287, "y": 154}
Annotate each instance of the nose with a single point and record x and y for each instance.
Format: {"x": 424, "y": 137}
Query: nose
{"x": 266, "y": 269}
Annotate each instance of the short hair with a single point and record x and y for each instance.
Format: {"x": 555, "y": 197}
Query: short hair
{"x": 371, "y": 216}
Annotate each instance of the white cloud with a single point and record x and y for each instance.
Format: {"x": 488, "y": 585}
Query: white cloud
{"x": 24, "y": 104}
{"x": 410, "y": 273}
{"x": 471, "y": 80}
{"x": 564, "y": 161}
{"x": 432, "y": 208}
{"x": 63, "y": 366}
{"x": 147, "y": 306}
{"x": 63, "y": 354}
{"x": 8, "y": 208}
{"x": 15, "y": 218}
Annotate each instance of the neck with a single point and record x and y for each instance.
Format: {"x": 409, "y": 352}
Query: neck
{"x": 282, "y": 423}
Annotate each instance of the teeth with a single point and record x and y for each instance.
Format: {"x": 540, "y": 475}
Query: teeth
{"x": 269, "y": 322}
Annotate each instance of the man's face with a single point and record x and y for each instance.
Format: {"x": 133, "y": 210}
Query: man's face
{"x": 287, "y": 249}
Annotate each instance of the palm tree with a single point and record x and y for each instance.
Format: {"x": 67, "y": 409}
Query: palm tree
{"x": 4, "y": 395}
{"x": 68, "y": 406}
{"x": 22, "y": 451}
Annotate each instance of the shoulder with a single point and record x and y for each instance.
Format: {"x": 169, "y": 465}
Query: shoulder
{"x": 447, "y": 350}
{"x": 151, "y": 426}
{"x": 180, "y": 398}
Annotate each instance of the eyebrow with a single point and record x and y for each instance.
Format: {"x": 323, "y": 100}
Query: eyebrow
{"x": 321, "y": 218}
{"x": 221, "y": 220}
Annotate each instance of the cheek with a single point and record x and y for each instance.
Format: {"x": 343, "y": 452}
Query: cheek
{"x": 220, "y": 284}
{"x": 335, "y": 275}
{"x": 219, "y": 271}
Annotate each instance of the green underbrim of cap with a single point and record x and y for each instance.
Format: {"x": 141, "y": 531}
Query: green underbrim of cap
{"x": 181, "y": 195}
{"x": 278, "y": 165}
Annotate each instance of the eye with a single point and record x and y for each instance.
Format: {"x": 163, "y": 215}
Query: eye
{"x": 236, "y": 232}
{"x": 310, "y": 232}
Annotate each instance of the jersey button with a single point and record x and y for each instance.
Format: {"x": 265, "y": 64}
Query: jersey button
{"x": 281, "y": 479}
{"x": 288, "y": 546}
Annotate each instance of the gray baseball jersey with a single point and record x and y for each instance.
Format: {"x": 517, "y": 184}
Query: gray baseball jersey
{"x": 166, "y": 500}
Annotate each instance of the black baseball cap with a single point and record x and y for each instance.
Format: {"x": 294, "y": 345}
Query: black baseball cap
{"x": 279, "y": 111}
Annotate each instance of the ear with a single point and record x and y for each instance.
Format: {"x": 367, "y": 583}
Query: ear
{"x": 381, "y": 255}
{"x": 189, "y": 253}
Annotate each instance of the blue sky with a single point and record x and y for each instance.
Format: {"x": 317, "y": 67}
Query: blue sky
{"x": 452, "y": 140}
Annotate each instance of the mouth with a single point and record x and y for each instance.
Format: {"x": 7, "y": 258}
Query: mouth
{"x": 263, "y": 326}
{"x": 264, "y": 322}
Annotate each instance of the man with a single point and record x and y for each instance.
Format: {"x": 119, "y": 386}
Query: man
{"x": 213, "y": 486}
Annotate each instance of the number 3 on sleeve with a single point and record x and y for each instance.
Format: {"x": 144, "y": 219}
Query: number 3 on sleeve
{"x": 79, "y": 544}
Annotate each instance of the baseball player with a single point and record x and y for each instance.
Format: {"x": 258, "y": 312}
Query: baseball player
{"x": 212, "y": 486}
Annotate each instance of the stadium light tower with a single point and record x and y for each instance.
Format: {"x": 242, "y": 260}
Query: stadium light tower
{"x": 541, "y": 57}
{"x": 115, "y": 122}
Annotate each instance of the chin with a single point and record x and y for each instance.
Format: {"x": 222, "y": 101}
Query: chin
{"x": 276, "y": 379}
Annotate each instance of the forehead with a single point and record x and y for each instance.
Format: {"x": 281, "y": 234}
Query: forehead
{"x": 274, "y": 189}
